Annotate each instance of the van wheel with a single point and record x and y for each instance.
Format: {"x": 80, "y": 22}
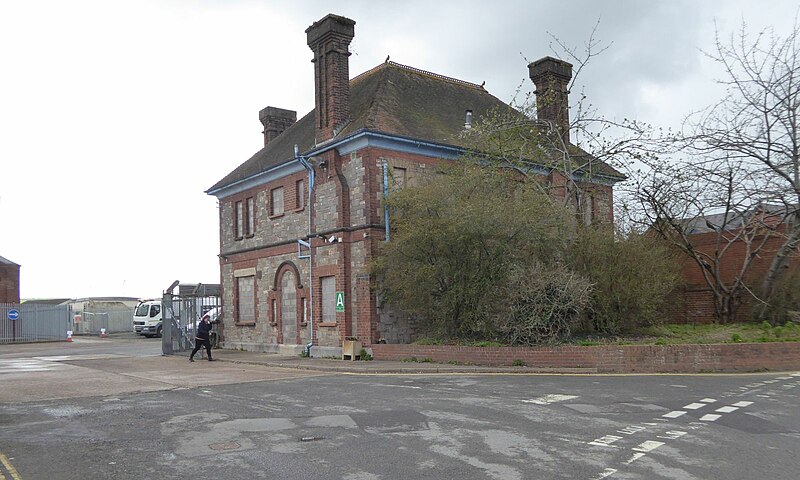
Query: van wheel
{"x": 158, "y": 332}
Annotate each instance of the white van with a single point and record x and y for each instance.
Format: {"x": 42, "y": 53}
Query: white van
{"x": 147, "y": 318}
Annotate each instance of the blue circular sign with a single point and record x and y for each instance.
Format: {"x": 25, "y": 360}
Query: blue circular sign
{"x": 13, "y": 314}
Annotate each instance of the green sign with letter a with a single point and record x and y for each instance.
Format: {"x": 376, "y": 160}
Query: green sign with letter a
{"x": 339, "y": 302}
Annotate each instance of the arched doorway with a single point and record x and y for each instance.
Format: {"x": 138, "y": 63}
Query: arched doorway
{"x": 288, "y": 321}
{"x": 288, "y": 303}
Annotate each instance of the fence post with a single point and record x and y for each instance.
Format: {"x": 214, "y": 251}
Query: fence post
{"x": 167, "y": 321}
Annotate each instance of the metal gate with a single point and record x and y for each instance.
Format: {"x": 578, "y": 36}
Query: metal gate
{"x": 182, "y": 311}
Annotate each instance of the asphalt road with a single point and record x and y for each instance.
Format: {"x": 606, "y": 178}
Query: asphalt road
{"x": 121, "y": 411}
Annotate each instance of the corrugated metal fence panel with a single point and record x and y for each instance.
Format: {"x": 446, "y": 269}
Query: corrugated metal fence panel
{"x": 120, "y": 319}
{"x": 114, "y": 318}
{"x": 35, "y": 323}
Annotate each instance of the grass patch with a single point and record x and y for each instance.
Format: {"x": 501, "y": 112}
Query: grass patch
{"x": 680, "y": 334}
{"x": 490, "y": 343}
{"x": 669, "y": 334}
{"x": 364, "y": 356}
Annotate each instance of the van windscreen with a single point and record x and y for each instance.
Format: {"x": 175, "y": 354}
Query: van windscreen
{"x": 141, "y": 310}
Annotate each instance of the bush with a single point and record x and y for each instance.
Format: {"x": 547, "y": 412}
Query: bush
{"x": 633, "y": 278}
{"x": 546, "y": 304}
{"x": 784, "y": 305}
{"x": 455, "y": 238}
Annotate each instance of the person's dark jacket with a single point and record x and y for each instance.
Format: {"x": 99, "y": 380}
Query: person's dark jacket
{"x": 202, "y": 330}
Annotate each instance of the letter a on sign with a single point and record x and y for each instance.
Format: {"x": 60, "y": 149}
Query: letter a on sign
{"x": 340, "y": 301}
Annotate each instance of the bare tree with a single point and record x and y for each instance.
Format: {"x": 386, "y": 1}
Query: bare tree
{"x": 757, "y": 124}
{"x": 578, "y": 151}
{"x": 708, "y": 209}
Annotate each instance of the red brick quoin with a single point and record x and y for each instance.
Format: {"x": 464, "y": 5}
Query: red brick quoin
{"x": 740, "y": 357}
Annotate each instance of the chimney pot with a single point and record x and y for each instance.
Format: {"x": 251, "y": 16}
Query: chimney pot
{"x": 329, "y": 39}
{"x": 551, "y": 77}
{"x": 275, "y": 121}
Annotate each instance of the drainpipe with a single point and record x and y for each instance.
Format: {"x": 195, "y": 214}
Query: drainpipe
{"x": 304, "y": 162}
{"x": 385, "y": 197}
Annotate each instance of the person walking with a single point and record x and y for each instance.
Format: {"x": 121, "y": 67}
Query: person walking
{"x": 201, "y": 338}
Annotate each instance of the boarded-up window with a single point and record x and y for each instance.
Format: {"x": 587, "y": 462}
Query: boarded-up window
{"x": 238, "y": 226}
{"x": 300, "y": 194}
{"x": 276, "y": 201}
{"x": 328, "y": 299}
{"x": 245, "y": 301}
{"x": 399, "y": 178}
{"x": 305, "y": 310}
{"x": 251, "y": 217}
{"x": 587, "y": 209}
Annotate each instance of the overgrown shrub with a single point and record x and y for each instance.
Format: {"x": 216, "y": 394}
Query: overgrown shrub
{"x": 455, "y": 239}
{"x": 784, "y": 305}
{"x": 545, "y": 304}
{"x": 633, "y": 278}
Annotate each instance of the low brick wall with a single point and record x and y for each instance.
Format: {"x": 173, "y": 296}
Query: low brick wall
{"x": 741, "y": 357}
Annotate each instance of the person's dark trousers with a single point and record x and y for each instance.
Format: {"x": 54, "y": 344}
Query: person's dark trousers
{"x": 198, "y": 344}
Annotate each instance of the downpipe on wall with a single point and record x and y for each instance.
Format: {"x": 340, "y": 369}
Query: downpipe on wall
{"x": 310, "y": 169}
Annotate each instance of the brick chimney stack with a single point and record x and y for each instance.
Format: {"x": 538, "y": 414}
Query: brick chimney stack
{"x": 551, "y": 77}
{"x": 329, "y": 39}
{"x": 275, "y": 121}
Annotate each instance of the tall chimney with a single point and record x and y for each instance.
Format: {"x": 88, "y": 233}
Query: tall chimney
{"x": 551, "y": 77}
{"x": 275, "y": 121}
{"x": 329, "y": 39}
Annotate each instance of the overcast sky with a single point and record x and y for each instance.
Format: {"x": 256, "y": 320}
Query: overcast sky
{"x": 116, "y": 116}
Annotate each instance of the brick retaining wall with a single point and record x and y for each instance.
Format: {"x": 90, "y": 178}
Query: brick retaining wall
{"x": 742, "y": 357}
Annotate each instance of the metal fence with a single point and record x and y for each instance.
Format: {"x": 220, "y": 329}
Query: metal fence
{"x": 94, "y": 317}
{"x": 35, "y": 323}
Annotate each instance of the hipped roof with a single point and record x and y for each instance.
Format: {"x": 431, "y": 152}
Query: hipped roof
{"x": 392, "y": 99}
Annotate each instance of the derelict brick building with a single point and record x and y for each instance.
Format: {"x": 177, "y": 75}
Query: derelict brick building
{"x": 287, "y": 255}
{"x": 9, "y": 281}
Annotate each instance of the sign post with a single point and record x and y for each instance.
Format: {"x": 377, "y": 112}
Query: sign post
{"x": 13, "y": 315}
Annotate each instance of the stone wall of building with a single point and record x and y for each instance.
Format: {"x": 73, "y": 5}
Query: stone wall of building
{"x": 404, "y": 169}
{"x": 325, "y": 206}
{"x": 263, "y": 335}
{"x": 355, "y": 172}
{"x": 268, "y": 229}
